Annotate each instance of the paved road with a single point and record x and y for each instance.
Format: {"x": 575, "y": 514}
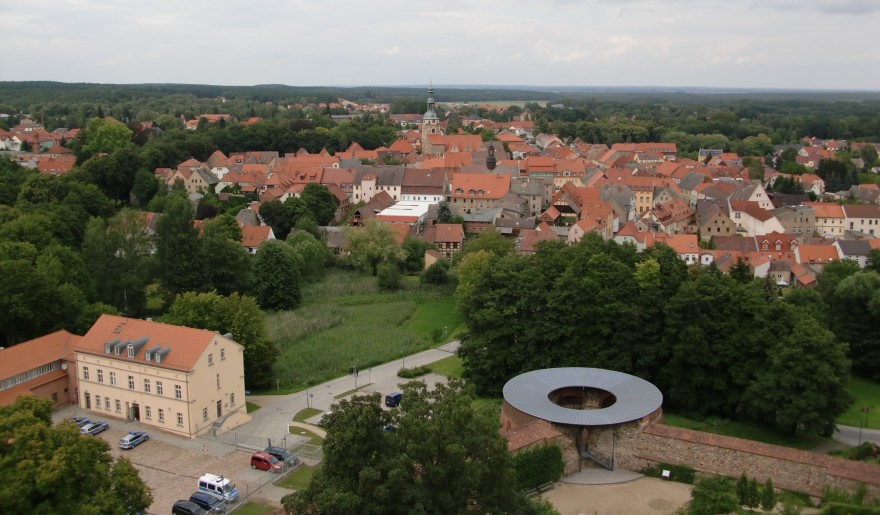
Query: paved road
{"x": 277, "y": 411}
{"x": 853, "y": 435}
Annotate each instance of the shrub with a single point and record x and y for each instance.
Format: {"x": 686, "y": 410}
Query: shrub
{"x": 389, "y": 277}
{"x": 537, "y": 466}
{"x": 408, "y": 373}
{"x": 768, "y": 496}
{"x": 713, "y": 494}
{"x": 677, "y": 473}
{"x": 438, "y": 273}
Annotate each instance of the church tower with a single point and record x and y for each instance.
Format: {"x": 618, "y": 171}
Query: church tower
{"x": 491, "y": 161}
{"x": 430, "y": 122}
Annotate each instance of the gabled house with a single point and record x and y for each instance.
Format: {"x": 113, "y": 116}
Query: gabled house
{"x": 252, "y": 236}
{"x": 712, "y": 220}
{"x": 829, "y": 218}
{"x": 470, "y": 192}
{"x": 369, "y": 181}
{"x": 863, "y": 218}
{"x": 176, "y": 379}
{"x": 815, "y": 257}
{"x": 672, "y": 217}
{"x": 448, "y": 238}
{"x": 799, "y": 220}
{"x": 752, "y": 219}
{"x": 854, "y": 250}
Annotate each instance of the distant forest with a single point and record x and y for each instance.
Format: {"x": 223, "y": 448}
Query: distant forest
{"x": 596, "y": 115}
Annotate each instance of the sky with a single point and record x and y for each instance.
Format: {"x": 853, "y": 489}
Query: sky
{"x": 787, "y": 44}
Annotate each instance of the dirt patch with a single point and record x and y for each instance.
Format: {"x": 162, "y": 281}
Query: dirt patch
{"x": 644, "y": 496}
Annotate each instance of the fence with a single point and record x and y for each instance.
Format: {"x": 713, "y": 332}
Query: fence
{"x": 251, "y": 442}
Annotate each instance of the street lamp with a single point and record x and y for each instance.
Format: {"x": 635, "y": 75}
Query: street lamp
{"x": 308, "y": 402}
{"x": 403, "y": 359}
{"x": 865, "y": 409}
{"x": 445, "y": 333}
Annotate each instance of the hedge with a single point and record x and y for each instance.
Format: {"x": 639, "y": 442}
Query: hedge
{"x": 537, "y": 466}
{"x": 678, "y": 473}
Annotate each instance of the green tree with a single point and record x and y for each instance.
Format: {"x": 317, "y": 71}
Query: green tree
{"x": 414, "y": 254}
{"x": 371, "y": 245}
{"x": 803, "y": 383}
{"x": 444, "y": 457}
{"x": 44, "y": 468}
{"x": 768, "y": 496}
{"x": 389, "y": 277}
{"x": 315, "y": 254}
{"x": 490, "y": 240}
{"x": 853, "y": 312}
{"x": 101, "y": 135}
{"x": 277, "y": 277}
{"x": 444, "y": 214}
{"x": 713, "y": 494}
{"x": 236, "y": 314}
{"x": 179, "y": 257}
{"x": 741, "y": 272}
{"x": 438, "y": 273}
{"x": 319, "y": 202}
{"x": 118, "y": 257}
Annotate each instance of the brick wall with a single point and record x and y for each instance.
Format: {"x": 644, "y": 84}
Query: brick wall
{"x": 637, "y": 444}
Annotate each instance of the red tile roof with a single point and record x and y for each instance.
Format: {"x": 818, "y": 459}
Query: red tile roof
{"x": 35, "y": 353}
{"x": 187, "y": 345}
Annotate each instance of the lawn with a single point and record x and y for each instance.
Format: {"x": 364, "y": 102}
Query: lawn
{"x": 449, "y": 367}
{"x": 313, "y": 439}
{"x": 347, "y": 321}
{"x": 299, "y": 478}
{"x": 747, "y": 431}
{"x": 306, "y": 413}
{"x": 251, "y": 407}
{"x": 867, "y": 394}
{"x": 253, "y": 508}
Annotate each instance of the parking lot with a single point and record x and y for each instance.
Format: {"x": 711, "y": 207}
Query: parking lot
{"x": 171, "y": 465}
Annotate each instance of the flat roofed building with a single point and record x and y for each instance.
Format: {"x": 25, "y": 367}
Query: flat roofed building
{"x": 43, "y": 367}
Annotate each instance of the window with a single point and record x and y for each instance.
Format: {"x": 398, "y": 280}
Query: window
{"x": 112, "y": 378}
{"x": 204, "y": 413}
{"x": 146, "y": 386}
{"x": 232, "y": 399}
{"x": 159, "y": 388}
{"x": 179, "y": 418}
{"x": 222, "y": 354}
{"x": 98, "y": 401}
{"x": 148, "y": 413}
{"x": 131, "y": 382}
{"x": 130, "y": 350}
{"x": 218, "y": 381}
{"x": 210, "y": 359}
{"x": 107, "y": 403}
{"x": 161, "y": 415}
{"x": 85, "y": 373}
{"x": 118, "y": 406}
{"x": 100, "y": 376}
{"x": 178, "y": 392}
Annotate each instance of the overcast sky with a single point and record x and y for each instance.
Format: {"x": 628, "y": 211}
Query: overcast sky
{"x": 812, "y": 44}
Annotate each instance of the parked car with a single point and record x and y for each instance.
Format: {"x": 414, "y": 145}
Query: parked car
{"x": 208, "y": 503}
{"x": 133, "y": 439}
{"x": 325, "y": 417}
{"x": 264, "y": 461}
{"x": 79, "y": 421}
{"x": 283, "y": 455}
{"x": 93, "y": 428}
{"x": 392, "y": 400}
{"x": 185, "y": 507}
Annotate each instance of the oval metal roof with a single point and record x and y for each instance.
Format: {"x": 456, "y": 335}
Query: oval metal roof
{"x": 530, "y": 392}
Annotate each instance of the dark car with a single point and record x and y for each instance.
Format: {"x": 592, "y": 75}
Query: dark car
{"x": 208, "y": 503}
{"x": 392, "y": 400}
{"x": 187, "y": 508}
{"x": 282, "y": 454}
{"x": 133, "y": 439}
{"x": 93, "y": 428}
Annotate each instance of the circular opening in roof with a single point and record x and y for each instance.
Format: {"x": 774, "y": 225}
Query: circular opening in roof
{"x": 582, "y": 397}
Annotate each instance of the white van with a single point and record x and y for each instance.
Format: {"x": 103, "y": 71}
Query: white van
{"x": 219, "y": 487}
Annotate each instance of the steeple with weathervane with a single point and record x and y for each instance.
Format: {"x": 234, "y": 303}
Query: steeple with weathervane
{"x": 430, "y": 122}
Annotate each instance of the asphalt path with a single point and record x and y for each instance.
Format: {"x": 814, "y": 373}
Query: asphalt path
{"x": 276, "y": 411}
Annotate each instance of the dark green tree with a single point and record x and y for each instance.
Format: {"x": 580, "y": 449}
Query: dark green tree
{"x": 713, "y": 494}
{"x": 438, "y": 273}
{"x": 315, "y": 254}
{"x": 741, "y": 272}
{"x": 444, "y": 457}
{"x": 319, "y": 202}
{"x": 444, "y": 214}
{"x": 371, "y": 245}
{"x": 389, "y": 277}
{"x": 44, "y": 467}
{"x": 179, "y": 257}
{"x": 768, "y": 496}
{"x": 277, "y": 276}
{"x": 853, "y": 312}
{"x": 414, "y": 252}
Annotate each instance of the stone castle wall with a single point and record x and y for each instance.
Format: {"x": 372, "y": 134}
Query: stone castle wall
{"x": 640, "y": 443}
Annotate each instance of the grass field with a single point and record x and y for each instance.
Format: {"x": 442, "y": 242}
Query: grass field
{"x": 251, "y": 407}
{"x": 747, "y": 431}
{"x": 306, "y": 413}
{"x": 347, "y": 321}
{"x": 253, "y": 508}
{"x": 299, "y": 478}
{"x": 867, "y": 395}
{"x": 449, "y": 367}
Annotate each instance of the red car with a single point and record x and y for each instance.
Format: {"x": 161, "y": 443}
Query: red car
{"x": 265, "y": 461}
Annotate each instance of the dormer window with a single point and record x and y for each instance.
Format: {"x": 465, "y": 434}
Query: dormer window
{"x": 130, "y": 350}
{"x": 158, "y": 358}
{"x": 470, "y": 192}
